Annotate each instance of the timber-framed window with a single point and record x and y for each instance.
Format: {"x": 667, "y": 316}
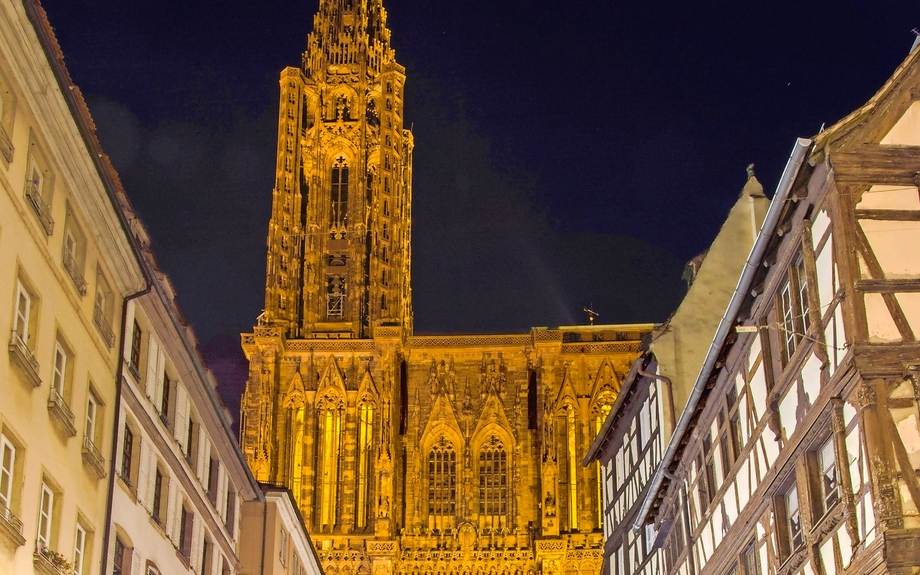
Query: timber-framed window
{"x": 789, "y": 521}
{"x": 493, "y": 483}
{"x": 828, "y": 478}
{"x": 793, "y": 308}
{"x": 442, "y": 485}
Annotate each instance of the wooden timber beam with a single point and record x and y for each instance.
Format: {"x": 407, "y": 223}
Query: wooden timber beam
{"x": 888, "y": 215}
{"x": 888, "y": 286}
{"x": 876, "y": 164}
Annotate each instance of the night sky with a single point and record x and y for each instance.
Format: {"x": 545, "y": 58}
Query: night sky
{"x": 568, "y": 154}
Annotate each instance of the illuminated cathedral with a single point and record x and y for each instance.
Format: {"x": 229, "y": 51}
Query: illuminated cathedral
{"x": 409, "y": 454}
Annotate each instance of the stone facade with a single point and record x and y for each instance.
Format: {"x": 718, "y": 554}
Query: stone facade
{"x": 405, "y": 453}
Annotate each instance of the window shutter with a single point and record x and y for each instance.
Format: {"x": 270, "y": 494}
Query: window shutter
{"x": 161, "y": 369}
{"x": 172, "y": 512}
{"x": 153, "y": 351}
{"x": 197, "y": 537}
{"x": 137, "y": 562}
{"x": 222, "y": 492}
{"x": 180, "y": 426}
{"x": 129, "y": 329}
{"x": 145, "y": 449}
{"x": 204, "y": 456}
{"x": 110, "y": 553}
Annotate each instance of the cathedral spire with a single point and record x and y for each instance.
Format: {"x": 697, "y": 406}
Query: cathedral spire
{"x": 338, "y": 242}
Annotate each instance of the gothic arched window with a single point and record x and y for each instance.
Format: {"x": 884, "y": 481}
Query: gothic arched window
{"x": 442, "y": 485}
{"x": 493, "y": 483}
{"x": 328, "y": 460}
{"x": 365, "y": 444}
{"x": 338, "y": 199}
{"x": 568, "y": 466}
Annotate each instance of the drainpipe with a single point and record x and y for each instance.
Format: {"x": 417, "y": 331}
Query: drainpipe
{"x": 264, "y": 529}
{"x": 107, "y": 530}
{"x": 669, "y": 387}
{"x": 728, "y": 321}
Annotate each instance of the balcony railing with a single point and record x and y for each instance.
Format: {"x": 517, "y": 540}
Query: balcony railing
{"x": 71, "y": 266}
{"x": 25, "y": 359}
{"x": 6, "y": 145}
{"x": 48, "y": 562}
{"x": 102, "y": 324}
{"x": 93, "y": 458}
{"x": 42, "y": 210}
{"x": 11, "y": 526}
{"x": 59, "y": 409}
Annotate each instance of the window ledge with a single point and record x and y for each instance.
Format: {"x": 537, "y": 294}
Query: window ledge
{"x": 61, "y": 413}
{"x": 46, "y": 564}
{"x": 22, "y": 356}
{"x": 102, "y": 324}
{"x": 41, "y": 209}
{"x": 11, "y": 527}
{"x": 93, "y": 459}
{"x": 78, "y": 281}
{"x": 6, "y": 145}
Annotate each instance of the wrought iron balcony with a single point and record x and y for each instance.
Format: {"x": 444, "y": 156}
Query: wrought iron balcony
{"x": 71, "y": 266}
{"x": 93, "y": 458}
{"x": 59, "y": 409}
{"x": 102, "y": 324}
{"x": 10, "y": 526}
{"x": 6, "y": 145}
{"x": 23, "y": 357}
{"x": 42, "y": 210}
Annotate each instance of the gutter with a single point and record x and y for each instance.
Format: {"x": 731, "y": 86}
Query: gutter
{"x": 790, "y": 172}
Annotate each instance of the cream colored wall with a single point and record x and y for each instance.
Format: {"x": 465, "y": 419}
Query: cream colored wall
{"x": 45, "y": 450}
{"x": 682, "y": 347}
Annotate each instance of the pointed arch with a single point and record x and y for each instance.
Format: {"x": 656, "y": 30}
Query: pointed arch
{"x": 367, "y": 402}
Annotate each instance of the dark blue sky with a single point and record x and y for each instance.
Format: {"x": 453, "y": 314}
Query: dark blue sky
{"x": 568, "y": 154}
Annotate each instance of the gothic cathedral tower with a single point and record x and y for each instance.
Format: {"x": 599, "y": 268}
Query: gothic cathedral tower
{"x": 406, "y": 453}
{"x": 338, "y": 241}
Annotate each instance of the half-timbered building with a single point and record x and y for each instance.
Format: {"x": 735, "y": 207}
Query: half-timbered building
{"x": 634, "y": 434}
{"x": 798, "y": 448}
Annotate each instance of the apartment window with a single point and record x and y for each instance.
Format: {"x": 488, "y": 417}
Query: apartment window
{"x": 748, "y": 561}
{"x": 230, "y": 518}
{"x": 206, "y": 556}
{"x": 282, "y": 548}
{"x": 185, "y": 532}
{"x": 793, "y": 307}
{"x": 830, "y": 483}
{"x": 165, "y": 398}
{"x": 103, "y": 308}
{"x": 213, "y": 473}
{"x": 92, "y": 414}
{"x": 39, "y": 184}
{"x": 60, "y": 373}
{"x": 158, "y": 493}
{"x": 793, "y": 519}
{"x": 7, "y": 475}
{"x": 706, "y": 474}
{"x": 122, "y": 555}
{"x": 134, "y": 360}
{"x": 73, "y": 256}
{"x": 46, "y": 517}
{"x": 7, "y": 107}
{"x": 127, "y": 455}
{"x": 24, "y": 315}
{"x": 191, "y": 454}
{"x": 79, "y": 550}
